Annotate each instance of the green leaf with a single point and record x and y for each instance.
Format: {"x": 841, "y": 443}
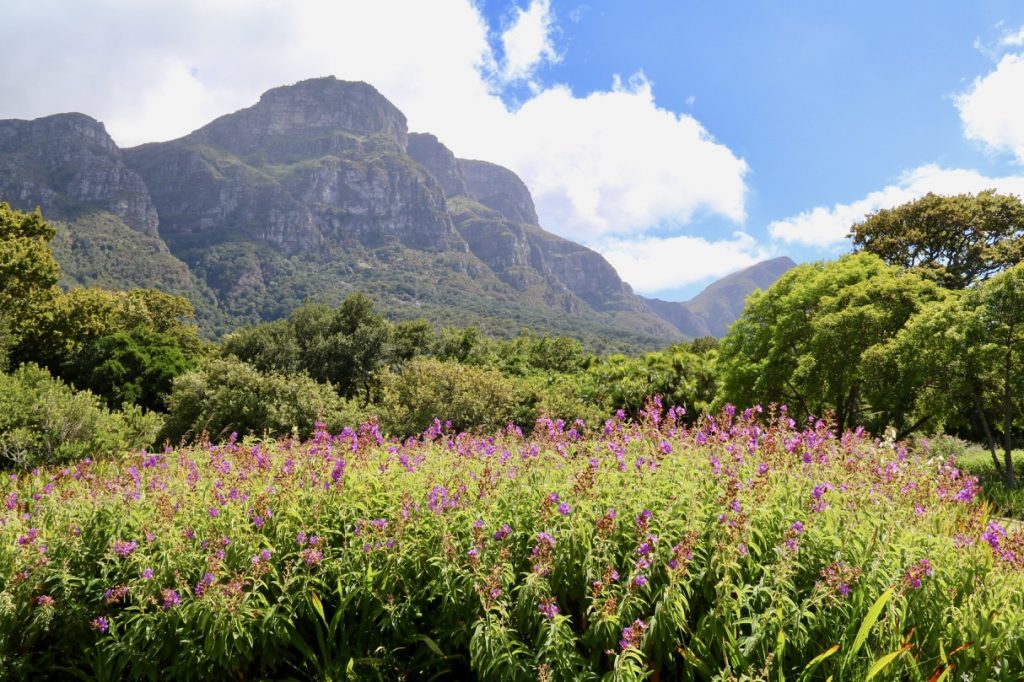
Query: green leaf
{"x": 817, "y": 660}
{"x": 869, "y": 622}
{"x": 884, "y": 662}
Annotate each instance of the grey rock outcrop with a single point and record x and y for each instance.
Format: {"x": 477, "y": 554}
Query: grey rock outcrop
{"x": 499, "y": 188}
{"x": 68, "y": 163}
{"x": 439, "y": 161}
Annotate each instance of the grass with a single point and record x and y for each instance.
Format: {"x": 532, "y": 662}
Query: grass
{"x": 978, "y": 462}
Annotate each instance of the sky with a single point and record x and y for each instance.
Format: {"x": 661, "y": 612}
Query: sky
{"x": 683, "y": 140}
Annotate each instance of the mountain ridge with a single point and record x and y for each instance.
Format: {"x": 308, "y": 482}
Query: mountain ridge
{"x": 313, "y": 192}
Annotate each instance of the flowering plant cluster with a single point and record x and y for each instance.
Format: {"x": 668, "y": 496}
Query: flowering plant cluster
{"x": 746, "y": 545}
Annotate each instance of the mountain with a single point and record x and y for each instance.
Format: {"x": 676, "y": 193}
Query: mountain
{"x": 107, "y": 225}
{"x": 314, "y": 192}
{"x": 710, "y": 312}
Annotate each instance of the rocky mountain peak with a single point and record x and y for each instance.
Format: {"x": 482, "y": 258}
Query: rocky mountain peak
{"x": 308, "y": 109}
{"x": 72, "y": 158}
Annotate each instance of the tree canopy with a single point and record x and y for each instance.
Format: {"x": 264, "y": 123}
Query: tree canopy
{"x": 957, "y": 240}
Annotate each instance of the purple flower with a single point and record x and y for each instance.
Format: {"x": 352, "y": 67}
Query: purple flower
{"x": 797, "y": 527}
{"x": 473, "y": 552}
{"x": 265, "y": 555}
{"x": 100, "y": 624}
{"x": 502, "y": 532}
{"x": 742, "y": 549}
{"x": 553, "y": 498}
{"x": 44, "y": 600}
{"x": 171, "y": 598}
{"x": 214, "y": 512}
{"x": 632, "y": 635}
{"x": 994, "y": 534}
{"x": 549, "y": 608}
{"x": 125, "y": 548}
{"x": 564, "y": 509}
{"x": 640, "y": 580}
{"x": 312, "y": 556}
{"x": 666, "y": 447}
{"x": 147, "y": 574}
{"x": 545, "y": 538}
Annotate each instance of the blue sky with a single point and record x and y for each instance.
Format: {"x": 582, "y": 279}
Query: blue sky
{"x": 682, "y": 140}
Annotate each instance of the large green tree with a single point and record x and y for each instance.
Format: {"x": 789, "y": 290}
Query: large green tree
{"x": 957, "y": 240}
{"x": 28, "y": 271}
{"x": 964, "y": 356}
{"x": 801, "y": 342}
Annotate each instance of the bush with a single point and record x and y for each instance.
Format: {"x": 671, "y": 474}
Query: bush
{"x": 45, "y": 421}
{"x": 226, "y": 395}
{"x": 426, "y": 388}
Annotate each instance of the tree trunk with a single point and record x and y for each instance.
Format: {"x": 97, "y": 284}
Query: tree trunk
{"x": 1009, "y": 475}
{"x": 989, "y": 439}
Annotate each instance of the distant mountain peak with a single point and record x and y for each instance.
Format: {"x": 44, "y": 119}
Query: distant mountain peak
{"x": 710, "y": 312}
{"x": 308, "y": 108}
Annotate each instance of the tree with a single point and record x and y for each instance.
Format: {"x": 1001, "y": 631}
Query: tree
{"x": 957, "y": 240}
{"x": 427, "y": 388}
{"x": 346, "y": 347}
{"x": 28, "y": 270}
{"x": 134, "y": 367}
{"x": 801, "y": 342}
{"x": 269, "y": 347}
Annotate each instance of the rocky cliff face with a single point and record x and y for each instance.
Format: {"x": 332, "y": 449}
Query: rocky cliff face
{"x": 305, "y": 119}
{"x": 426, "y": 150}
{"x": 319, "y": 163}
{"x": 499, "y": 188}
{"x": 67, "y": 163}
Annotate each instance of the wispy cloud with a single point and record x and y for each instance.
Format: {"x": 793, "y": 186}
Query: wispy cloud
{"x": 825, "y": 227}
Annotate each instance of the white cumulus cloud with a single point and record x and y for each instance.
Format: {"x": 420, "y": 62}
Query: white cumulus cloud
{"x": 829, "y": 226}
{"x": 527, "y": 42}
{"x": 654, "y": 264}
{"x": 992, "y": 111}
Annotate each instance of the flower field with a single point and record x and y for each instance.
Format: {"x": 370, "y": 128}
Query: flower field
{"x": 744, "y": 547}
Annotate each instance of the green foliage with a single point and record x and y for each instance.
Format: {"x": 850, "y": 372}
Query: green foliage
{"x": 427, "y": 388}
{"x": 346, "y": 347}
{"x": 268, "y": 347}
{"x": 97, "y": 249}
{"x": 802, "y": 341}
{"x": 965, "y": 357}
{"x": 28, "y": 271}
{"x": 134, "y": 367}
{"x": 957, "y": 240}
{"x": 678, "y": 375}
{"x": 226, "y": 395}
{"x": 44, "y": 421}
{"x": 628, "y": 553}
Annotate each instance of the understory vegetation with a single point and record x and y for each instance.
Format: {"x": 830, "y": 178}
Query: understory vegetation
{"x": 746, "y": 546}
